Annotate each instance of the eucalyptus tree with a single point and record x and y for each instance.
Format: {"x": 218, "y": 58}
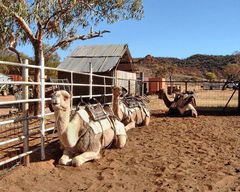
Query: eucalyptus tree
{"x": 58, "y": 22}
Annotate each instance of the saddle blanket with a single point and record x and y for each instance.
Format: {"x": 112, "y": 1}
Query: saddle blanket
{"x": 103, "y": 124}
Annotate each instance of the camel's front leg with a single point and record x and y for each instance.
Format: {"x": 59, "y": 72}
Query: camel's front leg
{"x": 146, "y": 121}
{"x": 84, "y": 157}
{"x": 66, "y": 158}
{"x": 192, "y": 109}
{"x": 121, "y": 141}
{"x": 130, "y": 125}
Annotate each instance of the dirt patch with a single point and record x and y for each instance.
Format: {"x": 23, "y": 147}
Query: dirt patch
{"x": 172, "y": 154}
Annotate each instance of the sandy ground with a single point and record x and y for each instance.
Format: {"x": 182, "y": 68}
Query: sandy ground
{"x": 172, "y": 154}
{"x": 4, "y": 109}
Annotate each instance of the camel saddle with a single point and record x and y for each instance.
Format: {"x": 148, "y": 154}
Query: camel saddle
{"x": 133, "y": 102}
{"x": 96, "y": 112}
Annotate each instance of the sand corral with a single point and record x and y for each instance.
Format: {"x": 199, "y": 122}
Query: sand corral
{"x": 172, "y": 154}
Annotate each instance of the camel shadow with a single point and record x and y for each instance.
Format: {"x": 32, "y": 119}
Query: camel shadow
{"x": 218, "y": 111}
{"x": 205, "y": 111}
{"x": 52, "y": 152}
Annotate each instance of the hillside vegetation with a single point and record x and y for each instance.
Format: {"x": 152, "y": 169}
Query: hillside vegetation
{"x": 196, "y": 67}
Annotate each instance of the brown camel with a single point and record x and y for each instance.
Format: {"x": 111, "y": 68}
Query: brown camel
{"x": 138, "y": 115}
{"x": 182, "y": 105}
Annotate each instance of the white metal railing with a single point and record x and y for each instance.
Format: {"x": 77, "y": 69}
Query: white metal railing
{"x": 25, "y": 101}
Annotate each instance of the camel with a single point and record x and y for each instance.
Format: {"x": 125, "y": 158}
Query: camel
{"x": 81, "y": 137}
{"x": 182, "y": 105}
{"x": 130, "y": 117}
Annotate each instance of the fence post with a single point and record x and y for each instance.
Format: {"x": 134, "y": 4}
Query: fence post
{"x": 141, "y": 83}
{"x": 71, "y": 89}
{"x": 238, "y": 96}
{"x": 129, "y": 86}
{"x": 25, "y": 108}
{"x": 105, "y": 90}
{"x": 90, "y": 80}
{"x": 186, "y": 86}
{"x": 42, "y": 95}
{"x": 171, "y": 85}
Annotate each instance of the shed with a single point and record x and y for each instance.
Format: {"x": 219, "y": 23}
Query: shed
{"x": 153, "y": 84}
{"x": 107, "y": 60}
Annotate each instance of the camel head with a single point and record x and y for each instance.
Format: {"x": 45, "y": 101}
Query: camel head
{"x": 61, "y": 100}
{"x": 119, "y": 91}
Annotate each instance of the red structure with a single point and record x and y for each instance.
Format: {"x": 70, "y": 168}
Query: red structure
{"x": 153, "y": 84}
{"x": 15, "y": 77}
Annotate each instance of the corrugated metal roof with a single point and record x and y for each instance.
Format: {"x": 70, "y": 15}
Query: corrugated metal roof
{"x": 102, "y": 57}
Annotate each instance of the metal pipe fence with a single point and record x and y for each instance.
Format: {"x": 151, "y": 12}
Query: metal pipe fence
{"x": 208, "y": 94}
{"x": 23, "y": 133}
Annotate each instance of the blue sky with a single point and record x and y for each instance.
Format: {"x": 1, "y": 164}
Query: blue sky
{"x": 176, "y": 28}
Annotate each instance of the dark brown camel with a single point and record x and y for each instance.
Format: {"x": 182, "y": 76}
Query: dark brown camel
{"x": 184, "y": 104}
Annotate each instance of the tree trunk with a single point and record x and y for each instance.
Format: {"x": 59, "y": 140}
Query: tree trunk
{"x": 36, "y": 90}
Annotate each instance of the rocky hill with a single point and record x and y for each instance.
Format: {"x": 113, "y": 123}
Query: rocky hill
{"x": 194, "y": 67}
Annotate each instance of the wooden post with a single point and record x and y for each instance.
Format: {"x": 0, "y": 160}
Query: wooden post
{"x": 25, "y": 108}
{"x": 238, "y": 87}
{"x": 129, "y": 86}
{"x": 141, "y": 84}
{"x": 186, "y": 86}
{"x": 171, "y": 85}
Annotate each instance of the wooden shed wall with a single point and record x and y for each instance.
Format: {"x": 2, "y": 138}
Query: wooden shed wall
{"x": 84, "y": 79}
{"x": 124, "y": 80}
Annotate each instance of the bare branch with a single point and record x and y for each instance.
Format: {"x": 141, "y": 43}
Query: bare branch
{"x": 17, "y": 53}
{"x": 67, "y": 41}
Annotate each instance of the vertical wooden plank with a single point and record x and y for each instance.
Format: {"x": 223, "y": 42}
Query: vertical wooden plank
{"x": 186, "y": 86}
{"x": 238, "y": 96}
{"x": 142, "y": 84}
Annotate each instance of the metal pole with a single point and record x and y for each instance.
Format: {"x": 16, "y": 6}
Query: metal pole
{"x": 104, "y": 92}
{"x": 25, "y": 108}
{"x": 42, "y": 95}
{"x": 71, "y": 89}
{"x": 90, "y": 80}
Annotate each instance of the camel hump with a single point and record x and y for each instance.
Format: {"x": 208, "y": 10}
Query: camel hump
{"x": 84, "y": 115}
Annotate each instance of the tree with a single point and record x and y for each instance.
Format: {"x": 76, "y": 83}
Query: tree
{"x": 211, "y": 76}
{"x": 6, "y": 55}
{"x": 35, "y": 22}
{"x": 232, "y": 72}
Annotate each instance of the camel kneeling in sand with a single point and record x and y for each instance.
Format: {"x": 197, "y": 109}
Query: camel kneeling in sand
{"x": 81, "y": 137}
{"x": 182, "y": 105}
{"x": 137, "y": 115}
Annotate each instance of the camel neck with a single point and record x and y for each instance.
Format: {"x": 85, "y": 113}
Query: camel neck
{"x": 116, "y": 100}
{"x": 166, "y": 101}
{"x": 62, "y": 118}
